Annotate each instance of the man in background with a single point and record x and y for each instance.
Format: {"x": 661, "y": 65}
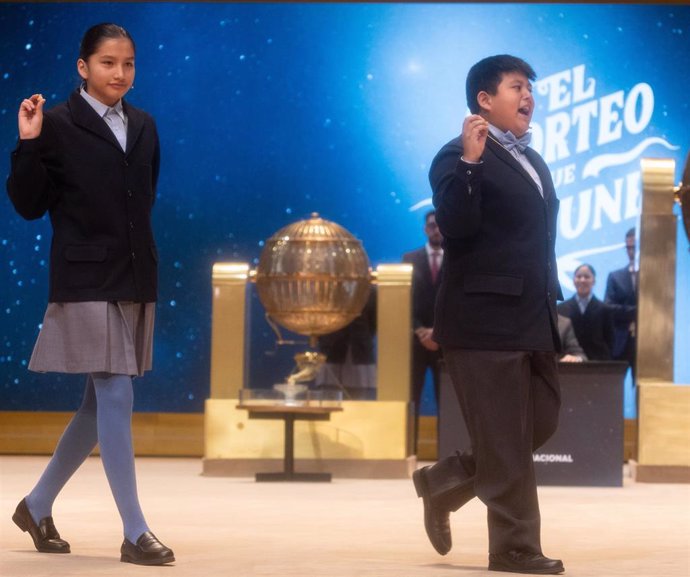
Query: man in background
{"x": 351, "y": 356}
{"x": 426, "y": 263}
{"x": 621, "y": 296}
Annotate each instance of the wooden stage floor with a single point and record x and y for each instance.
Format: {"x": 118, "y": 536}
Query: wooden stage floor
{"x": 234, "y": 527}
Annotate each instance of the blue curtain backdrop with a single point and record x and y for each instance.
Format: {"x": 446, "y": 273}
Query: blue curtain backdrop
{"x": 268, "y": 112}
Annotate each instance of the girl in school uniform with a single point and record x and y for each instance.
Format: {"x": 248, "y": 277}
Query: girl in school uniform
{"x": 92, "y": 164}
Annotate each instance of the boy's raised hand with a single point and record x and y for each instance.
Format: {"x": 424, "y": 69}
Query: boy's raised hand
{"x": 475, "y": 130}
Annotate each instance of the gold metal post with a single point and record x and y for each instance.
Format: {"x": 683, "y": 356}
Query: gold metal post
{"x": 657, "y": 276}
{"x": 394, "y": 329}
{"x": 664, "y": 427}
{"x": 228, "y": 329}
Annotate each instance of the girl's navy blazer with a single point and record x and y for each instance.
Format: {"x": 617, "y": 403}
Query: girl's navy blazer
{"x": 99, "y": 199}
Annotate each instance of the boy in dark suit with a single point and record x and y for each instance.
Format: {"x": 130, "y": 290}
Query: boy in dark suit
{"x": 496, "y": 317}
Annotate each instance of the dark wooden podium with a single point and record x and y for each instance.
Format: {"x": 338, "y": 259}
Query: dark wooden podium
{"x": 290, "y": 414}
{"x": 587, "y": 448}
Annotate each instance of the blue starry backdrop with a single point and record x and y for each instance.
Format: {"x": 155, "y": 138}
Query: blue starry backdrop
{"x": 268, "y": 112}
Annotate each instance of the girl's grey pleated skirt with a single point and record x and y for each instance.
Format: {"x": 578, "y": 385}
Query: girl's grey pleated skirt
{"x": 95, "y": 337}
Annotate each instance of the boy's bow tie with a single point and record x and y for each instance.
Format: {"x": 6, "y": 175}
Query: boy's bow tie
{"x": 509, "y": 141}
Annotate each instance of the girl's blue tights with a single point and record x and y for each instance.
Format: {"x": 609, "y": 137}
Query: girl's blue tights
{"x": 104, "y": 417}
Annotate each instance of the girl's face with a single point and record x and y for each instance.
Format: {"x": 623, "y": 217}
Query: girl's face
{"x": 584, "y": 281}
{"x": 109, "y": 72}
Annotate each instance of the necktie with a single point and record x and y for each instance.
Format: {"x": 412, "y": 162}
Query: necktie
{"x": 633, "y": 279}
{"x": 434, "y": 265}
{"x": 510, "y": 141}
{"x": 117, "y": 125}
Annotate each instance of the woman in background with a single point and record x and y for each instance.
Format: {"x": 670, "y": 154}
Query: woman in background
{"x": 592, "y": 319}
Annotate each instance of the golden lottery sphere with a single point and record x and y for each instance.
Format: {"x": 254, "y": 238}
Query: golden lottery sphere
{"x": 313, "y": 277}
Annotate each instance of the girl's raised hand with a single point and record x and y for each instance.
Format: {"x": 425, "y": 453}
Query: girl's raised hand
{"x": 31, "y": 117}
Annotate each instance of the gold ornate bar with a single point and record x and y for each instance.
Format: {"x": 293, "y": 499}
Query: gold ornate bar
{"x": 394, "y": 326}
{"x": 657, "y": 277}
{"x": 228, "y": 329}
{"x": 664, "y": 406}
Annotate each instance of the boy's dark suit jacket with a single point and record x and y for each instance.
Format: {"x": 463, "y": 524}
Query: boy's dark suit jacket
{"x": 499, "y": 284}
{"x": 99, "y": 199}
{"x": 594, "y": 329}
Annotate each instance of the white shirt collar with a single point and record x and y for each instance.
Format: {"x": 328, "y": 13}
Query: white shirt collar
{"x": 430, "y": 250}
{"x": 584, "y": 300}
{"x": 100, "y": 108}
{"x": 495, "y": 131}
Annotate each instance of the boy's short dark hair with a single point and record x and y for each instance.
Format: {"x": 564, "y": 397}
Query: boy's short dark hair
{"x": 486, "y": 75}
